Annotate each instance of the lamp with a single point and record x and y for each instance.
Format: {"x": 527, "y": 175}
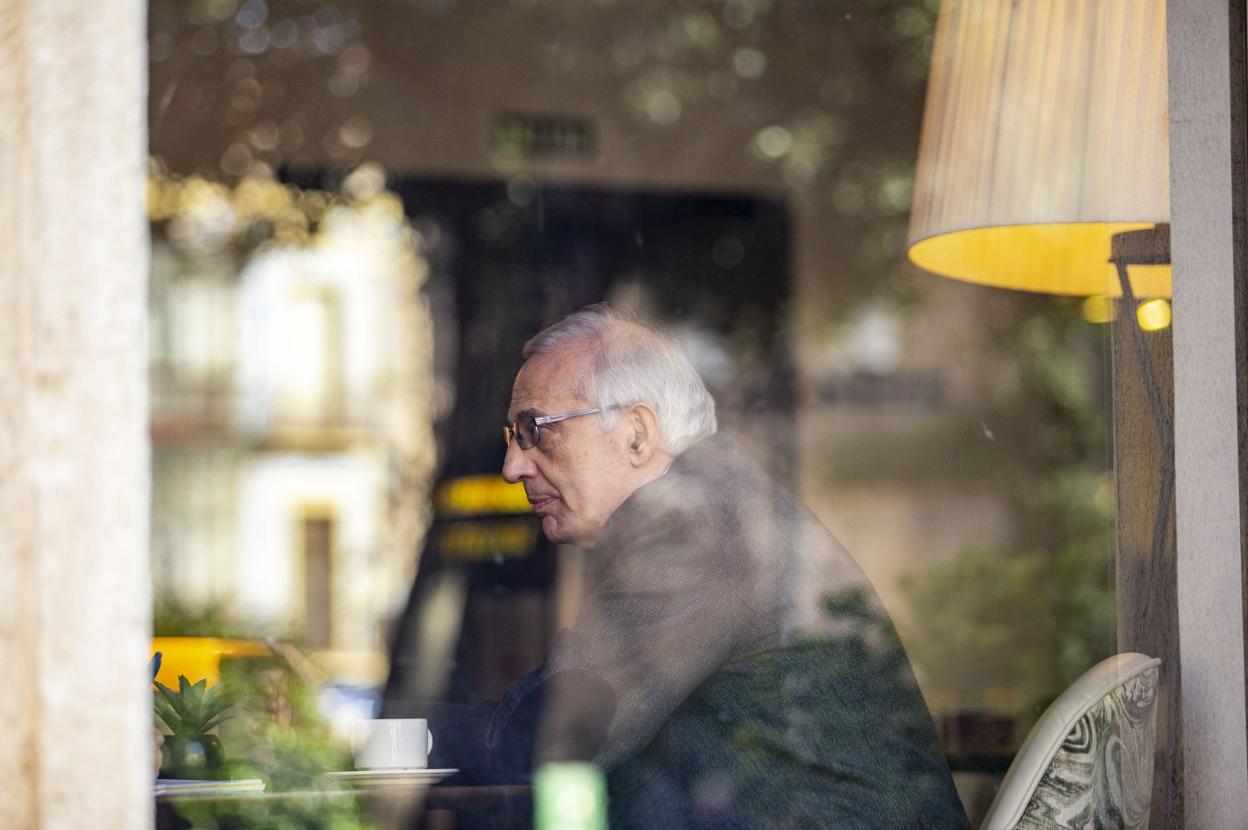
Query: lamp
{"x": 1044, "y": 159}
{"x": 1044, "y": 166}
{"x": 1044, "y": 162}
{"x": 1044, "y": 134}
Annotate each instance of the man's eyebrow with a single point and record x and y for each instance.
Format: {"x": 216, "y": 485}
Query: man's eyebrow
{"x": 529, "y": 411}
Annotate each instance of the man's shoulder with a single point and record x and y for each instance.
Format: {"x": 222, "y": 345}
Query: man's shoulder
{"x": 717, "y": 455}
{"x": 716, "y": 516}
{"x": 712, "y": 484}
{"x": 688, "y": 514}
{"x": 716, "y": 503}
{"x": 715, "y": 470}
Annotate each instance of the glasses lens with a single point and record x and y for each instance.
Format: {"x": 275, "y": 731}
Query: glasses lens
{"x": 526, "y": 432}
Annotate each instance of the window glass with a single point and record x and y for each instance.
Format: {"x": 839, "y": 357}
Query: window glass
{"x": 362, "y": 211}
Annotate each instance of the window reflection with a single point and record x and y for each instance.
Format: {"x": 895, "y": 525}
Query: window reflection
{"x": 360, "y": 213}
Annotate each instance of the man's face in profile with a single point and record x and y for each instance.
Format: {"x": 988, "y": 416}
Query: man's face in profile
{"x": 578, "y": 473}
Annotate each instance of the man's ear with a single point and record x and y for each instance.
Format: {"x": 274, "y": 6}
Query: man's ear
{"x": 643, "y": 433}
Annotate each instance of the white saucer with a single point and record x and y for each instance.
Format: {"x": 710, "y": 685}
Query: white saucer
{"x": 380, "y": 778}
{"x": 165, "y": 787}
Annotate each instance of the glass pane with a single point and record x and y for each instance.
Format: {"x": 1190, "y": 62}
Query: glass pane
{"x": 362, "y": 211}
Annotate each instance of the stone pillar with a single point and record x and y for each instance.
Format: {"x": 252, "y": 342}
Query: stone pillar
{"x": 1209, "y": 248}
{"x": 75, "y": 711}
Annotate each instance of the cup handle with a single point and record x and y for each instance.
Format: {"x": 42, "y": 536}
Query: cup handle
{"x": 429, "y": 733}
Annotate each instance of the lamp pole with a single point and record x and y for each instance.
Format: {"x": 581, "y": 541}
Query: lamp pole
{"x": 1145, "y": 561}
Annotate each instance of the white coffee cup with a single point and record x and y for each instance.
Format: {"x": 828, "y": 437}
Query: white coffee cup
{"x": 393, "y": 743}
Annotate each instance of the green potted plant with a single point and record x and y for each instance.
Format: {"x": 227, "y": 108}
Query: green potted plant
{"x": 191, "y": 750}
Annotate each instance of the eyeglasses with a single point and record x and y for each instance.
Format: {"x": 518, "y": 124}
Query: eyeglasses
{"x": 527, "y": 429}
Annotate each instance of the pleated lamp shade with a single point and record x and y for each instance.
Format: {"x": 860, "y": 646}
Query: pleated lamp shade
{"x": 1045, "y": 132}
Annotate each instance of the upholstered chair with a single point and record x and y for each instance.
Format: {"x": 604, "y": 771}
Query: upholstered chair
{"x": 1088, "y": 761}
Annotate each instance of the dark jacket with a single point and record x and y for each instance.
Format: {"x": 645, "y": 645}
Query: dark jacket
{"x": 730, "y": 668}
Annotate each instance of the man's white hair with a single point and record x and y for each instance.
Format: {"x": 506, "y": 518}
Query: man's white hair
{"x": 636, "y": 362}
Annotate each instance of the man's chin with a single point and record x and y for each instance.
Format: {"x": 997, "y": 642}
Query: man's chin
{"x": 559, "y": 533}
{"x": 550, "y": 529}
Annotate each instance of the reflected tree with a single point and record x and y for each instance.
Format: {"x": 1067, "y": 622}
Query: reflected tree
{"x": 292, "y": 72}
{"x": 1035, "y": 615}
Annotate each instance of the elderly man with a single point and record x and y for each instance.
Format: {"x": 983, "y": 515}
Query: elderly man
{"x": 730, "y": 666}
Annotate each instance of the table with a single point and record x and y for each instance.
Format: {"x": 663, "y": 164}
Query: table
{"x": 396, "y": 808}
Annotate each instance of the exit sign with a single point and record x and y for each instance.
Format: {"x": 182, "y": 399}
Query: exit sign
{"x": 540, "y": 135}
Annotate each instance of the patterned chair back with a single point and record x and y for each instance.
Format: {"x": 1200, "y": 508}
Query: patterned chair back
{"x": 1089, "y": 760}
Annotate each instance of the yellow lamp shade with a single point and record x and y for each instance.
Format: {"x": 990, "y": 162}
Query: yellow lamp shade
{"x": 1056, "y": 259}
{"x": 1045, "y": 133}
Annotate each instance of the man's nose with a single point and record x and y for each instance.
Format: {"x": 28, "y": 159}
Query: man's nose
{"x": 516, "y": 464}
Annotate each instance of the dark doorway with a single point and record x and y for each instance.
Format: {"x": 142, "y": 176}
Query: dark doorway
{"x": 507, "y": 258}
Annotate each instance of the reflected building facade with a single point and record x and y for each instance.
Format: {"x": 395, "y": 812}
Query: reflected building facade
{"x": 291, "y": 431}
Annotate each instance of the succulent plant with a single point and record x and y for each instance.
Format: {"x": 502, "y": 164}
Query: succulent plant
{"x": 193, "y": 709}
{"x": 191, "y": 713}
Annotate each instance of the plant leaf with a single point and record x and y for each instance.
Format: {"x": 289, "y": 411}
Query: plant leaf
{"x": 170, "y": 695}
{"x": 168, "y": 716}
{"x": 216, "y": 720}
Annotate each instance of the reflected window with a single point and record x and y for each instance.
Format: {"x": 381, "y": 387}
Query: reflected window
{"x": 318, "y": 580}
